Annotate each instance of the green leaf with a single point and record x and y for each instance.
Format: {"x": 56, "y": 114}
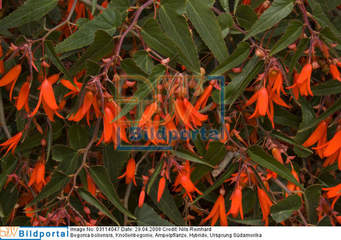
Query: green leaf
{"x": 258, "y": 155}
{"x": 286, "y": 118}
{"x": 285, "y": 208}
{"x": 312, "y": 199}
{"x": 155, "y": 38}
{"x": 52, "y": 55}
{"x": 330, "y": 111}
{"x": 327, "y": 88}
{"x": 238, "y": 57}
{"x": 191, "y": 158}
{"x": 57, "y": 183}
{"x": 215, "y": 154}
{"x": 227, "y": 173}
{"x": 226, "y": 22}
{"x": 302, "y": 46}
{"x": 114, "y": 161}
{"x": 78, "y": 136}
{"x": 8, "y": 165}
{"x": 238, "y": 84}
{"x": 167, "y": 205}
{"x": 31, "y": 10}
{"x": 246, "y": 221}
{"x": 62, "y": 152}
{"x": 96, "y": 203}
{"x": 154, "y": 177}
{"x": 102, "y": 45}
{"x": 246, "y": 16}
{"x": 131, "y": 68}
{"x": 292, "y": 33}
{"x": 206, "y": 24}
{"x": 107, "y": 21}
{"x": 143, "y": 60}
{"x": 278, "y": 10}
{"x": 103, "y": 182}
{"x": 70, "y": 165}
{"x": 177, "y": 29}
{"x": 146, "y": 216}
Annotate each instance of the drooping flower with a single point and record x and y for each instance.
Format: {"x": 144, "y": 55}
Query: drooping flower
{"x": 265, "y": 204}
{"x": 218, "y": 211}
{"x": 183, "y": 180}
{"x": 187, "y": 114}
{"x": 236, "y": 203}
{"x": 147, "y": 114}
{"x": 319, "y": 136}
{"x": 262, "y": 98}
{"x": 246, "y": 2}
{"x": 91, "y": 185}
{"x": 88, "y": 101}
{"x": 11, "y": 143}
{"x": 38, "y": 176}
{"x": 129, "y": 174}
{"x": 335, "y": 72}
{"x": 74, "y": 87}
{"x": 293, "y": 187}
{"x": 275, "y": 82}
{"x": 47, "y": 98}
{"x": 161, "y": 188}
{"x": 141, "y": 198}
{"x": 333, "y": 193}
{"x": 11, "y": 77}
{"x": 202, "y": 101}
{"x": 22, "y": 99}
{"x": 302, "y": 81}
{"x": 332, "y": 150}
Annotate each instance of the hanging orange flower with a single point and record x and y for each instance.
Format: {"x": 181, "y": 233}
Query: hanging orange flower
{"x": 147, "y": 114}
{"x": 88, "y": 101}
{"x": 246, "y": 2}
{"x": 183, "y": 180}
{"x": 265, "y": 204}
{"x": 161, "y": 188}
{"x": 91, "y": 185}
{"x": 262, "y": 98}
{"x": 141, "y": 198}
{"x": 22, "y": 99}
{"x": 334, "y": 72}
{"x": 302, "y": 81}
{"x": 319, "y": 136}
{"x": 218, "y": 211}
{"x": 333, "y": 193}
{"x": 74, "y": 87}
{"x": 11, "y": 77}
{"x": 11, "y": 143}
{"x": 38, "y": 176}
{"x": 333, "y": 149}
{"x": 291, "y": 186}
{"x": 47, "y": 98}
{"x": 236, "y": 203}
{"x": 187, "y": 113}
{"x": 202, "y": 101}
{"x": 129, "y": 174}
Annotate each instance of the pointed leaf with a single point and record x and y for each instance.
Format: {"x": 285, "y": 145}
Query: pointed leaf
{"x": 285, "y": 208}
{"x": 278, "y": 10}
{"x": 312, "y": 199}
{"x": 206, "y": 24}
{"x": 191, "y": 158}
{"x": 102, "y": 181}
{"x": 146, "y": 216}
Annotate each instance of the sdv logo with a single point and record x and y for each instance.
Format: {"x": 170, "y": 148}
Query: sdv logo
{"x": 8, "y": 232}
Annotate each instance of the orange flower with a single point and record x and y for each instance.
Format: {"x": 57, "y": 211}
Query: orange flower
{"x": 11, "y": 143}
{"x": 333, "y": 192}
{"x": 142, "y": 197}
{"x": 246, "y": 2}
{"x": 22, "y": 99}
{"x": 302, "y": 81}
{"x": 47, "y": 98}
{"x": 319, "y": 136}
{"x": 291, "y": 186}
{"x": 129, "y": 174}
{"x": 202, "y": 101}
{"x": 161, "y": 189}
{"x": 262, "y": 98}
{"x": 276, "y": 153}
{"x": 91, "y": 185}
{"x": 11, "y": 77}
{"x": 332, "y": 149}
{"x": 265, "y": 204}
{"x": 218, "y": 211}
{"x": 38, "y": 176}
{"x": 147, "y": 114}
{"x": 236, "y": 203}
{"x": 184, "y": 179}
{"x": 75, "y": 87}
{"x": 276, "y": 81}
{"x": 334, "y": 72}
{"x": 88, "y": 101}
{"x": 187, "y": 113}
